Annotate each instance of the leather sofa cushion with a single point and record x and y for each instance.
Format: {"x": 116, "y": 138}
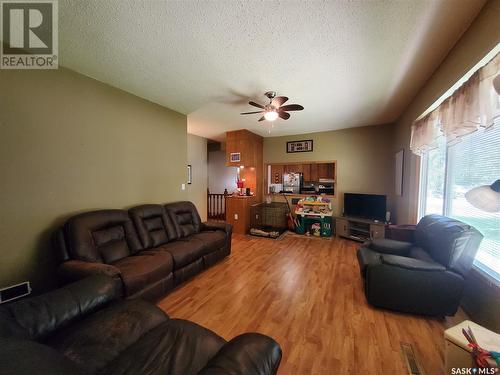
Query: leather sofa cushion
{"x": 101, "y": 337}
{"x": 176, "y": 347}
{"x": 184, "y": 251}
{"x": 101, "y": 236}
{"x": 213, "y": 239}
{"x": 185, "y": 218}
{"x": 153, "y": 225}
{"x": 411, "y": 263}
{"x": 141, "y": 270}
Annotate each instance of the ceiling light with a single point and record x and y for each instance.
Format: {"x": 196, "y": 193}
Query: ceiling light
{"x": 271, "y": 115}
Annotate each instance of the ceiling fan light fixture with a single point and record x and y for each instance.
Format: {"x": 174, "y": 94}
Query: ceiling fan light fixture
{"x": 271, "y": 115}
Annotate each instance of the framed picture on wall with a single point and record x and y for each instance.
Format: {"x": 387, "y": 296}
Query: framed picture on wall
{"x": 299, "y": 146}
{"x": 235, "y": 157}
{"x": 190, "y": 174}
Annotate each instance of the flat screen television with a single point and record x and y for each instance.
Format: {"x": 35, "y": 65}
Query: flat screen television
{"x": 366, "y": 206}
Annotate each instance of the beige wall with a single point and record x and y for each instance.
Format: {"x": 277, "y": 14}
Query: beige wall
{"x": 197, "y": 157}
{"x": 67, "y": 144}
{"x": 365, "y": 161}
{"x": 220, "y": 176}
{"x": 477, "y": 41}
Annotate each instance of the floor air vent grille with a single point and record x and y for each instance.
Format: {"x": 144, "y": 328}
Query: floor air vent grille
{"x": 411, "y": 361}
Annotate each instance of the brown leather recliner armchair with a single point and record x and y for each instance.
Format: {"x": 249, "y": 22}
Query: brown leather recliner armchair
{"x": 148, "y": 250}
{"x": 426, "y": 276}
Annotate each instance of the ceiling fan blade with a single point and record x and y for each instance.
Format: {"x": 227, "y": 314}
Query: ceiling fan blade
{"x": 256, "y": 105}
{"x": 279, "y": 101}
{"x": 291, "y": 107}
{"x": 284, "y": 115}
{"x": 262, "y": 118}
{"x": 251, "y": 113}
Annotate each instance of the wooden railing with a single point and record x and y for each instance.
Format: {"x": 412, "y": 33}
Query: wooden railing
{"x": 216, "y": 206}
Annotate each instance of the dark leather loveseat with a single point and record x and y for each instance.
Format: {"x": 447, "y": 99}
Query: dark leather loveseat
{"x": 86, "y": 328}
{"x": 148, "y": 249}
{"x": 426, "y": 276}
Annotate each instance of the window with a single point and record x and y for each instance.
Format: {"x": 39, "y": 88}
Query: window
{"x": 433, "y": 180}
{"x": 449, "y": 171}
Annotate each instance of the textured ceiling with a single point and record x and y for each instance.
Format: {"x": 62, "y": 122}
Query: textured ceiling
{"x": 348, "y": 63}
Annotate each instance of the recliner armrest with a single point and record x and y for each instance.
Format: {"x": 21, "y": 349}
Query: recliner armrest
{"x": 73, "y": 270}
{"x": 411, "y": 263}
{"x": 386, "y": 246}
{"x": 246, "y": 354}
{"x": 213, "y": 225}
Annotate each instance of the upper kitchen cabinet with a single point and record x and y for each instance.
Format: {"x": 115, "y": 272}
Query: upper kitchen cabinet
{"x": 326, "y": 171}
{"x": 277, "y": 174}
{"x": 243, "y": 148}
{"x": 293, "y": 168}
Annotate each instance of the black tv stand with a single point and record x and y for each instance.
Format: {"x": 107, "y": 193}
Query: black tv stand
{"x": 359, "y": 229}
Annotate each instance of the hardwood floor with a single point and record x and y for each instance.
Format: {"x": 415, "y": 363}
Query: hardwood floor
{"x": 307, "y": 294}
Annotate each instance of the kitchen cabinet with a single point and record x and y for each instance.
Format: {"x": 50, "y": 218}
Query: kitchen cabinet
{"x": 314, "y": 172}
{"x": 325, "y": 170}
{"x": 306, "y": 171}
{"x": 238, "y": 210}
{"x": 277, "y": 174}
{"x": 293, "y": 168}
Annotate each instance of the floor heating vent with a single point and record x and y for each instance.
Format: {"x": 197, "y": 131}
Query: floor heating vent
{"x": 412, "y": 364}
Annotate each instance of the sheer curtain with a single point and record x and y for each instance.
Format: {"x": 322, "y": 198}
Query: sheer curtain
{"x": 460, "y": 147}
{"x": 473, "y": 105}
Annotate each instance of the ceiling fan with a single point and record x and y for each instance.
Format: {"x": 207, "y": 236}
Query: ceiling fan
{"x": 275, "y": 108}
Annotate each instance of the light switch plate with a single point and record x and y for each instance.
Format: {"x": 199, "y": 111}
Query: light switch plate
{"x": 183, "y": 186}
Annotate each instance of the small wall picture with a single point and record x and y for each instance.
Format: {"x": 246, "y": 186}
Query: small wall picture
{"x": 190, "y": 174}
{"x": 299, "y": 146}
{"x": 235, "y": 157}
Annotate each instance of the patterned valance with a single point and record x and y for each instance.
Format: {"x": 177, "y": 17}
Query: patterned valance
{"x": 474, "y": 104}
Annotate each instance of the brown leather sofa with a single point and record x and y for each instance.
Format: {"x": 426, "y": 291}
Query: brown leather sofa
{"x": 86, "y": 328}
{"x": 148, "y": 249}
